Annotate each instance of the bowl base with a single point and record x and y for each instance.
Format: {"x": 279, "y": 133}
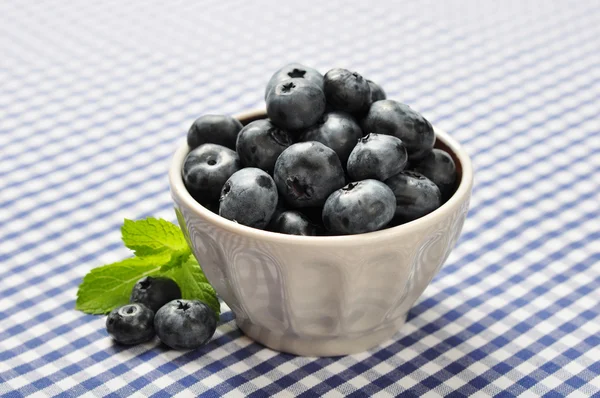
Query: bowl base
{"x": 318, "y": 347}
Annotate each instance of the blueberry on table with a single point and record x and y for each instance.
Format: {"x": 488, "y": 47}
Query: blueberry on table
{"x": 214, "y": 129}
{"x": 306, "y": 173}
{"x": 185, "y": 324}
{"x": 416, "y": 195}
{"x": 295, "y": 104}
{"x": 260, "y": 143}
{"x": 439, "y": 167}
{"x": 295, "y": 71}
{"x": 131, "y": 324}
{"x": 377, "y": 93}
{"x": 249, "y": 197}
{"x": 377, "y": 156}
{"x": 293, "y": 222}
{"x": 337, "y": 130}
{"x": 205, "y": 170}
{"x": 359, "y": 207}
{"x": 394, "y": 118}
{"x": 154, "y": 292}
{"x": 347, "y": 91}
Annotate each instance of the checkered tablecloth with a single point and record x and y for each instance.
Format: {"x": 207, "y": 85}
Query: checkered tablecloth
{"x": 95, "y": 97}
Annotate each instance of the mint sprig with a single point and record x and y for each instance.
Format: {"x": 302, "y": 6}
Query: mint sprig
{"x": 160, "y": 249}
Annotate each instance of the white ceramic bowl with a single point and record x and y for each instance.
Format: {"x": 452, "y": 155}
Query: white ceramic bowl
{"x": 322, "y": 296}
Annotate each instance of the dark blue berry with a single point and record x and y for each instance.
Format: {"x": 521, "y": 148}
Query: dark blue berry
{"x": 154, "y": 292}
{"x": 377, "y": 93}
{"x": 359, "y": 207}
{"x": 131, "y": 324}
{"x": 439, "y": 167}
{"x": 295, "y": 104}
{"x": 306, "y": 173}
{"x": 249, "y": 197}
{"x": 214, "y": 129}
{"x": 294, "y": 71}
{"x": 260, "y": 143}
{"x": 337, "y": 130}
{"x": 416, "y": 195}
{"x": 377, "y": 156}
{"x": 185, "y": 324}
{"x": 393, "y": 118}
{"x": 347, "y": 91}
{"x": 293, "y": 222}
{"x": 206, "y": 169}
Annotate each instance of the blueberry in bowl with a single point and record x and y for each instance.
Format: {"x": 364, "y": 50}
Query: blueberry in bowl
{"x": 400, "y": 120}
{"x": 439, "y": 167}
{"x": 206, "y": 168}
{"x": 249, "y": 197}
{"x": 346, "y": 90}
{"x": 260, "y": 143}
{"x": 377, "y": 93}
{"x": 337, "y": 130}
{"x": 294, "y": 71}
{"x": 214, "y": 129}
{"x": 416, "y": 195}
{"x": 293, "y": 222}
{"x": 359, "y": 207}
{"x": 306, "y": 173}
{"x": 377, "y": 156}
{"x": 318, "y": 258}
{"x": 295, "y": 104}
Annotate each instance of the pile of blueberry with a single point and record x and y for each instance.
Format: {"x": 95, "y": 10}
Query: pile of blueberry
{"x": 334, "y": 157}
{"x": 156, "y": 308}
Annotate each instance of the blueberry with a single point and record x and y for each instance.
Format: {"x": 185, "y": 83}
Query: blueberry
{"x": 337, "y": 130}
{"x": 206, "y": 169}
{"x": 416, "y": 195}
{"x": 249, "y": 197}
{"x": 347, "y": 91}
{"x": 439, "y": 167}
{"x": 393, "y": 118}
{"x": 297, "y": 71}
{"x": 295, "y": 104}
{"x": 377, "y": 156}
{"x": 185, "y": 324}
{"x": 260, "y": 143}
{"x": 306, "y": 173}
{"x": 293, "y": 222}
{"x": 377, "y": 93}
{"x": 213, "y": 206}
{"x": 214, "y": 129}
{"x": 359, "y": 207}
{"x": 154, "y": 292}
{"x": 131, "y": 324}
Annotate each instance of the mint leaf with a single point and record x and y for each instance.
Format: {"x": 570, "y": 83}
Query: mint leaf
{"x": 161, "y": 250}
{"x": 194, "y": 285}
{"x": 108, "y": 287}
{"x": 176, "y": 261}
{"x": 152, "y": 236}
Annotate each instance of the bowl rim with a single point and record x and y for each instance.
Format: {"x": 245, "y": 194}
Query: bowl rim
{"x": 462, "y": 193}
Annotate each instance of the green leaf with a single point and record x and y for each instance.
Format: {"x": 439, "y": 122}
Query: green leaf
{"x": 194, "y": 285}
{"x": 177, "y": 260}
{"x": 161, "y": 250}
{"x": 151, "y": 236}
{"x": 108, "y": 287}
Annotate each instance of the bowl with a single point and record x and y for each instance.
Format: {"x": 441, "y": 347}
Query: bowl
{"x": 326, "y": 295}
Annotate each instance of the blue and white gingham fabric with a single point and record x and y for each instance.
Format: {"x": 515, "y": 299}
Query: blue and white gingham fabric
{"x": 95, "y": 97}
